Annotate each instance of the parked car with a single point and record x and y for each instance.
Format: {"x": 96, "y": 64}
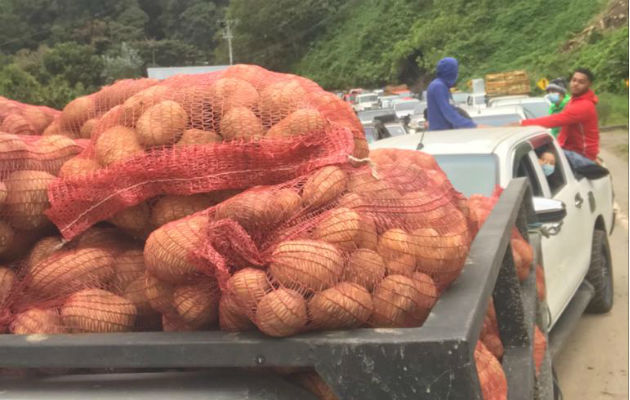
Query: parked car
{"x": 408, "y": 107}
{"x": 460, "y": 97}
{"x": 376, "y": 130}
{"x": 369, "y": 115}
{"x": 476, "y": 100}
{"x": 576, "y": 253}
{"x": 366, "y": 101}
{"x": 386, "y": 101}
{"x": 536, "y": 106}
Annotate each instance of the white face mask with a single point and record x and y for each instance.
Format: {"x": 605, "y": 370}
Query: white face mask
{"x": 554, "y": 97}
{"x": 548, "y": 169}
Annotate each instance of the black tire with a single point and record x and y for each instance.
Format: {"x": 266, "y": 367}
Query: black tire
{"x": 600, "y": 274}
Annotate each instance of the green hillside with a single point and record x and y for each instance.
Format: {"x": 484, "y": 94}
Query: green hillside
{"x": 393, "y": 41}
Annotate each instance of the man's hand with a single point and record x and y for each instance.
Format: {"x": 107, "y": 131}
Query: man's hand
{"x": 482, "y": 126}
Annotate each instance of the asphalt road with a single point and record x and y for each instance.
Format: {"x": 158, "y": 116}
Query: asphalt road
{"x": 594, "y": 362}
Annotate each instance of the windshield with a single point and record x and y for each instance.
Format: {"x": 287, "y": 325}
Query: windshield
{"x": 496, "y": 120}
{"x": 470, "y": 173}
{"x": 367, "y": 99}
{"x": 395, "y": 130}
{"x": 368, "y": 116}
{"x": 538, "y": 109}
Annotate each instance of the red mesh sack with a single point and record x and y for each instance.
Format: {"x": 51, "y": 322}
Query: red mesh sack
{"x": 491, "y": 375}
{"x": 335, "y": 249}
{"x": 233, "y": 129}
{"x": 522, "y": 252}
{"x": 80, "y": 116}
{"x": 93, "y": 284}
{"x": 541, "y": 290}
{"x": 312, "y": 382}
{"x": 540, "y": 347}
{"x": 490, "y": 332}
{"x": 24, "y": 119}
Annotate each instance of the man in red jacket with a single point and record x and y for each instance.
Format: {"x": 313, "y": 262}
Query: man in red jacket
{"x": 578, "y": 121}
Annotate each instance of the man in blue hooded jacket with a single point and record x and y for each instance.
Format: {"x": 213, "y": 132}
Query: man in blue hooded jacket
{"x": 441, "y": 114}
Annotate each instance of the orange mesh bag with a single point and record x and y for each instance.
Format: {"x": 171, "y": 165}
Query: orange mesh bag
{"x": 79, "y": 117}
{"x": 312, "y": 382}
{"x": 490, "y": 332}
{"x": 233, "y": 129}
{"x": 540, "y": 347}
{"x": 522, "y": 252}
{"x": 24, "y": 119}
{"x": 491, "y": 375}
{"x": 315, "y": 253}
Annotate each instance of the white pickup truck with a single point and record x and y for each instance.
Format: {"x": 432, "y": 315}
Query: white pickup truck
{"x": 575, "y": 250}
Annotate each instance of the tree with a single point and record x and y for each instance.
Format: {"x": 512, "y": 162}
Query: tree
{"x": 123, "y": 63}
{"x": 75, "y": 63}
{"x": 18, "y": 84}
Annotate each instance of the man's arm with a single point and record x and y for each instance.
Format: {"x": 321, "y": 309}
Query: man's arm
{"x": 568, "y": 116}
{"x": 449, "y": 112}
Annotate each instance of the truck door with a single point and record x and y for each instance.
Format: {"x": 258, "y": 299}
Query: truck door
{"x": 566, "y": 255}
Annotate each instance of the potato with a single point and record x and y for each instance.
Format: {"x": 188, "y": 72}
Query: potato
{"x": 137, "y": 104}
{"x": 117, "y": 144}
{"x": 198, "y": 136}
{"x": 76, "y": 113}
{"x": 526, "y": 253}
{"x": 198, "y": 304}
{"x": 7, "y": 280}
{"x": 27, "y": 199}
{"x": 259, "y": 211}
{"x": 300, "y": 122}
{"x": 135, "y": 292}
{"x": 227, "y": 93}
{"x": 78, "y": 166}
{"x": 103, "y": 237}
{"x": 38, "y": 119}
{"x": 232, "y": 317}
{"x": 428, "y": 290}
{"x": 173, "y": 323}
{"x": 55, "y": 129}
{"x": 404, "y": 264}
{"x": 325, "y": 185}
{"x": 162, "y": 124}
{"x": 70, "y": 270}
{"x": 87, "y": 128}
{"x": 367, "y": 237}
{"x": 340, "y": 227}
{"x": 280, "y": 99}
{"x": 309, "y": 265}
{"x": 397, "y": 303}
{"x": 312, "y": 382}
{"x": 3, "y": 194}
{"x": 171, "y": 208}
{"x": 167, "y": 250}
{"x": 343, "y": 306}
{"x": 394, "y": 243}
{"x": 134, "y": 220}
{"x": 247, "y": 286}
{"x": 281, "y": 312}
{"x": 240, "y": 123}
{"x": 96, "y": 310}
{"x": 7, "y": 234}
{"x": 117, "y": 93}
{"x": 365, "y": 267}
{"x": 37, "y": 321}
{"x": 159, "y": 294}
{"x": 44, "y": 249}
{"x": 17, "y": 124}
{"x": 366, "y": 185}
{"x": 128, "y": 267}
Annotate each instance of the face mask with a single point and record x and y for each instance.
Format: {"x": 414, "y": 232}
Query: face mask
{"x": 553, "y": 97}
{"x": 548, "y": 169}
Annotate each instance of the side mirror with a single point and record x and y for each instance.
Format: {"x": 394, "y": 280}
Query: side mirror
{"x": 549, "y": 210}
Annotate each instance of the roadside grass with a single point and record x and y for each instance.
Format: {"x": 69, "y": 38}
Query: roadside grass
{"x": 613, "y": 109}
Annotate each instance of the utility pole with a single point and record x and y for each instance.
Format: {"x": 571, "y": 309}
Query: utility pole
{"x": 228, "y": 35}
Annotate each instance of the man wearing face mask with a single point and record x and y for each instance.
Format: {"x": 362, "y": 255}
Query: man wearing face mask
{"x": 578, "y": 121}
{"x": 558, "y": 96}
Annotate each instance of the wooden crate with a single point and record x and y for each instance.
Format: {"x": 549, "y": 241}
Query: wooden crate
{"x": 507, "y": 83}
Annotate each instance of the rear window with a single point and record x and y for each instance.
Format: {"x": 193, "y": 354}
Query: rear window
{"x": 470, "y": 173}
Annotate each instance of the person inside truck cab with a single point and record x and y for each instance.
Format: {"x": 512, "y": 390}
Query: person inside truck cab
{"x": 441, "y": 114}
{"x": 579, "y": 131}
{"x": 559, "y": 98}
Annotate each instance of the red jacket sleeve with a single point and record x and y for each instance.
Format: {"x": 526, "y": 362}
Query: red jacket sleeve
{"x": 591, "y": 145}
{"x": 570, "y": 115}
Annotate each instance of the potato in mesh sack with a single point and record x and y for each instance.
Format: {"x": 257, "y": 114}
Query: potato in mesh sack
{"x": 491, "y": 375}
{"x": 24, "y": 119}
{"x": 197, "y": 134}
{"x": 308, "y": 266}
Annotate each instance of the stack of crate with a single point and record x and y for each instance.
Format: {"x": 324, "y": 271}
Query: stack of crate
{"x": 507, "y": 83}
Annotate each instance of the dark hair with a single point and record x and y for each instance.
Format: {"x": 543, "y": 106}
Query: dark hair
{"x": 586, "y": 72}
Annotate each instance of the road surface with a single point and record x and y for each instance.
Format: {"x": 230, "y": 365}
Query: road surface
{"x": 594, "y": 362}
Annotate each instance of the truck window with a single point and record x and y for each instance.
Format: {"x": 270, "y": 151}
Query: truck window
{"x": 524, "y": 168}
{"x": 558, "y": 179}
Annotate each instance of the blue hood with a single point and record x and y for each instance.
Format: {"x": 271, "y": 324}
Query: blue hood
{"x": 447, "y": 70}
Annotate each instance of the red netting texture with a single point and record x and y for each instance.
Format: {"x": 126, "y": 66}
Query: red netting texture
{"x": 234, "y": 129}
{"x": 491, "y": 375}
{"x": 490, "y": 332}
{"x": 540, "y": 347}
{"x": 24, "y": 119}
